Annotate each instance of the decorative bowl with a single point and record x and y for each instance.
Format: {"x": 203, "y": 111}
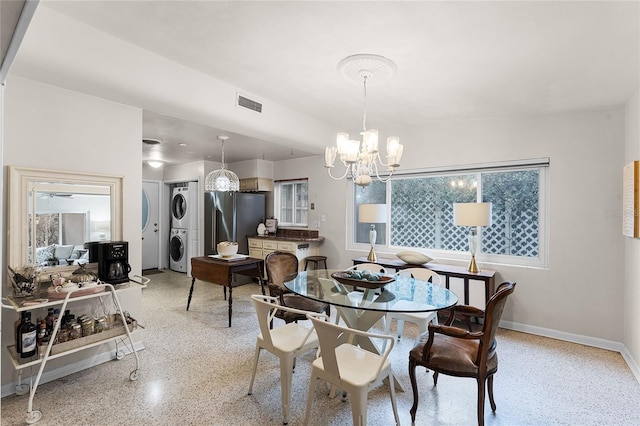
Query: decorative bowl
{"x": 413, "y": 257}
{"x": 227, "y": 248}
{"x": 384, "y": 280}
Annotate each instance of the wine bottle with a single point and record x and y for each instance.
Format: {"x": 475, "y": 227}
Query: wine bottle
{"x": 27, "y": 337}
{"x": 49, "y": 320}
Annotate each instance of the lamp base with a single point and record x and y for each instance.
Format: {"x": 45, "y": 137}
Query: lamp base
{"x": 372, "y": 256}
{"x": 473, "y": 267}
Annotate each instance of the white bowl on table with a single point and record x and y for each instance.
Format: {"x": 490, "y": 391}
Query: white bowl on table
{"x": 227, "y": 249}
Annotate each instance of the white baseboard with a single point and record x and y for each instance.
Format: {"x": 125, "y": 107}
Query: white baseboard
{"x": 577, "y": 338}
{"x": 57, "y": 373}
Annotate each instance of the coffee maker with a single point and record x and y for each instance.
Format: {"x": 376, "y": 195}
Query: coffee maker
{"x": 113, "y": 261}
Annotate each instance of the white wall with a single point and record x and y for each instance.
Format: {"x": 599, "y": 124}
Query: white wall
{"x": 52, "y": 128}
{"x": 152, "y": 81}
{"x": 586, "y": 151}
{"x": 632, "y": 247}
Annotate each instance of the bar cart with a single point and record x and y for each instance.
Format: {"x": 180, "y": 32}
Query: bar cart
{"x": 119, "y": 334}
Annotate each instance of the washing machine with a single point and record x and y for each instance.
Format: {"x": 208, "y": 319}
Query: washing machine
{"x": 178, "y": 250}
{"x": 180, "y": 208}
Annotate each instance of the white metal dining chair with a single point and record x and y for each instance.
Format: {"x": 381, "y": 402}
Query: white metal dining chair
{"x": 350, "y": 368}
{"x": 422, "y": 319}
{"x": 373, "y": 267}
{"x": 285, "y": 342}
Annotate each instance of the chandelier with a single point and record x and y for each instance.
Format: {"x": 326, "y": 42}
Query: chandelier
{"x": 361, "y": 159}
{"x": 222, "y": 179}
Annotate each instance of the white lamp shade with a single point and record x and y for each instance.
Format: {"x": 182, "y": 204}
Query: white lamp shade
{"x": 372, "y": 213}
{"x": 341, "y": 142}
{"x": 370, "y": 141}
{"x": 351, "y": 151}
{"x": 155, "y": 163}
{"x": 330, "y": 156}
{"x": 472, "y": 214}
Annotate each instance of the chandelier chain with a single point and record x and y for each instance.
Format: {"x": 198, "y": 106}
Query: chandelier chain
{"x": 222, "y": 160}
{"x": 364, "y": 106}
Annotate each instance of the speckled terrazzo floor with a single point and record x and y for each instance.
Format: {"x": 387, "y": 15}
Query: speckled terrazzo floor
{"x": 196, "y": 371}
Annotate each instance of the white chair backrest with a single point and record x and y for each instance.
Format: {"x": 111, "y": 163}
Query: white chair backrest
{"x": 373, "y": 267}
{"x": 330, "y": 337}
{"x": 421, "y": 274}
{"x": 266, "y": 308}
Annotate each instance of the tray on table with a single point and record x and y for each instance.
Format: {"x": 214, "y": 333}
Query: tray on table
{"x": 384, "y": 280}
{"x": 53, "y": 294}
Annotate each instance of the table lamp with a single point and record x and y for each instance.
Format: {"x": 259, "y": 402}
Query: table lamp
{"x": 372, "y": 213}
{"x": 472, "y": 215}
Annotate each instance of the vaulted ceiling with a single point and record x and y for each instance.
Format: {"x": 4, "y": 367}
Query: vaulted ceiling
{"x": 454, "y": 59}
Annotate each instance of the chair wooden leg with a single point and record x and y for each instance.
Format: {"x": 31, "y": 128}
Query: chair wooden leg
{"x": 435, "y": 378}
{"x": 481, "y": 381}
{"x": 414, "y": 388}
{"x": 255, "y": 367}
{"x": 490, "y": 390}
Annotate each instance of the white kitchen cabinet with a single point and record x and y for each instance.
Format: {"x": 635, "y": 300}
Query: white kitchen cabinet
{"x": 260, "y": 247}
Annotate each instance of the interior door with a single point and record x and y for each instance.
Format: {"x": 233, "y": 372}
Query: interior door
{"x": 150, "y": 219}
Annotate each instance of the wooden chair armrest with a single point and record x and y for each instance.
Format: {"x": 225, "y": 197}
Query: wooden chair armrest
{"x": 453, "y": 331}
{"x": 276, "y": 290}
{"x": 447, "y": 331}
{"x": 466, "y": 311}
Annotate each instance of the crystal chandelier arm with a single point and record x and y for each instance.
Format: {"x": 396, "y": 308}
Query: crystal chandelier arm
{"x": 394, "y": 153}
{"x": 374, "y": 166}
{"x": 346, "y": 172}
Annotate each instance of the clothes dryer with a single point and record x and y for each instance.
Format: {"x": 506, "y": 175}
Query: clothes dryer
{"x": 180, "y": 208}
{"x": 178, "y": 250}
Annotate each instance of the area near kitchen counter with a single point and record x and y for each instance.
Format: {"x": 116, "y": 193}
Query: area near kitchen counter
{"x": 301, "y": 242}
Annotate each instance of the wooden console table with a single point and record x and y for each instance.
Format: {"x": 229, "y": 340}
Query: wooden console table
{"x": 486, "y": 276}
{"x": 222, "y": 272}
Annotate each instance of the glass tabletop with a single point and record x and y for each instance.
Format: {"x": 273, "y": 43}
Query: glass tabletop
{"x": 404, "y": 294}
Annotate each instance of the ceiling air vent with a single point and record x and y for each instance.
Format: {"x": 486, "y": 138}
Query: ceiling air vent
{"x": 250, "y": 104}
{"x": 151, "y": 141}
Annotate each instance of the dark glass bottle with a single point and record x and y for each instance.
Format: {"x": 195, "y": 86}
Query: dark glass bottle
{"x": 49, "y": 320}
{"x": 27, "y": 337}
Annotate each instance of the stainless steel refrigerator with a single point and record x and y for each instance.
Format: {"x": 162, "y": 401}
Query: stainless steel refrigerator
{"x": 231, "y": 216}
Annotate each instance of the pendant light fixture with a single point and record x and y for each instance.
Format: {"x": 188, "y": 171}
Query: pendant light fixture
{"x": 222, "y": 179}
{"x": 361, "y": 159}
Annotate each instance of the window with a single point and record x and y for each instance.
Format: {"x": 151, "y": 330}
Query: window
{"x": 420, "y": 211}
{"x": 292, "y": 202}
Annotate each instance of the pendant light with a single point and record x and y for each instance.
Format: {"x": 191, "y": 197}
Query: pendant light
{"x": 222, "y": 179}
{"x": 361, "y": 159}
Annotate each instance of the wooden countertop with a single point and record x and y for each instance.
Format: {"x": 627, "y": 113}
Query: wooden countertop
{"x": 317, "y": 239}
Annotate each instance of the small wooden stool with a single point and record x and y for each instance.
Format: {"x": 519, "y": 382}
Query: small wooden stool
{"x": 316, "y": 261}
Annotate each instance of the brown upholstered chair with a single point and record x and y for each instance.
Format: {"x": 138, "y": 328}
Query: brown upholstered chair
{"x": 458, "y": 352}
{"x": 279, "y": 265}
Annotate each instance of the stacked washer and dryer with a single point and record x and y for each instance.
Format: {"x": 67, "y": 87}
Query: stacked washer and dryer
{"x": 183, "y": 241}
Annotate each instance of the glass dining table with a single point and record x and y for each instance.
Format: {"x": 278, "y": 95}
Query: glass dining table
{"x": 361, "y": 307}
